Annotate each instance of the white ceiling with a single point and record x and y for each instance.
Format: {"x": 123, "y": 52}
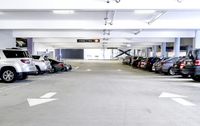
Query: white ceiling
{"x": 34, "y": 18}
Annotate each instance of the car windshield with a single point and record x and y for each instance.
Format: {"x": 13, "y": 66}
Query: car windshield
{"x": 16, "y": 54}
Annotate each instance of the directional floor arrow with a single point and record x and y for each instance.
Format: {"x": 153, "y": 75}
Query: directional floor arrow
{"x": 177, "y": 98}
{"x": 170, "y": 95}
{"x": 43, "y": 99}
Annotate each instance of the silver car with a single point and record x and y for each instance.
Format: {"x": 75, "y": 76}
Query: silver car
{"x": 42, "y": 63}
{"x": 15, "y": 64}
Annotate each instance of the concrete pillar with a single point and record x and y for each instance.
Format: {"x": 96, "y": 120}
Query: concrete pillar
{"x": 7, "y": 39}
{"x": 177, "y": 47}
{"x": 154, "y": 49}
{"x": 148, "y": 51}
{"x": 30, "y": 45}
{"x": 196, "y": 41}
{"x": 163, "y": 49}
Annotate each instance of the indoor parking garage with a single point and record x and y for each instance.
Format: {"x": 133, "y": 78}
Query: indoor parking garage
{"x": 99, "y": 63}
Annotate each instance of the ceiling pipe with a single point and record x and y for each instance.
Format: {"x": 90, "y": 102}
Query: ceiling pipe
{"x": 109, "y": 17}
{"x": 106, "y": 32}
{"x": 179, "y": 1}
{"x": 138, "y": 31}
{"x": 156, "y": 17}
{"x": 112, "y": 17}
{"x": 106, "y": 18}
{"x": 117, "y": 1}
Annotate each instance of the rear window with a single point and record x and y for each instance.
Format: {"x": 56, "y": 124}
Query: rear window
{"x": 36, "y": 57}
{"x": 15, "y": 54}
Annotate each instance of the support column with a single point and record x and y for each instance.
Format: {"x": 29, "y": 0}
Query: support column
{"x": 30, "y": 45}
{"x": 148, "y": 51}
{"x": 7, "y": 39}
{"x": 177, "y": 47}
{"x": 154, "y": 49}
{"x": 163, "y": 49}
{"x": 196, "y": 41}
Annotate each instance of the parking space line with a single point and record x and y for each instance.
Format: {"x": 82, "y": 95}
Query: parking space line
{"x": 88, "y": 70}
{"x": 183, "y": 102}
{"x": 48, "y": 95}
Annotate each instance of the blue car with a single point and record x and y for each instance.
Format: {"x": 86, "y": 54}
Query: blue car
{"x": 167, "y": 65}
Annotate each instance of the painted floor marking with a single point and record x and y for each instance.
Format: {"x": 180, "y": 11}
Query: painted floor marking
{"x": 88, "y": 70}
{"x": 48, "y": 95}
{"x": 183, "y": 102}
{"x": 43, "y": 99}
{"x": 177, "y": 98}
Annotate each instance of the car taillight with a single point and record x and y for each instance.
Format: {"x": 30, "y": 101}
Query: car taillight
{"x": 61, "y": 64}
{"x": 26, "y": 61}
{"x": 182, "y": 65}
{"x": 197, "y": 62}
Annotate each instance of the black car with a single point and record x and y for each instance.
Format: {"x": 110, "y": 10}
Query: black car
{"x": 150, "y": 61}
{"x": 181, "y": 66}
{"x": 192, "y": 65}
{"x": 136, "y": 61}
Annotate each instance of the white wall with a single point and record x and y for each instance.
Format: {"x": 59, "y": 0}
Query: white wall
{"x": 39, "y": 49}
{"x": 100, "y": 53}
{"x": 6, "y": 39}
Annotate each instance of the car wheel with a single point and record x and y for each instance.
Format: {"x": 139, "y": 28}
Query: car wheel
{"x": 8, "y": 75}
{"x": 38, "y": 70}
{"x": 196, "y": 78}
{"x": 54, "y": 70}
{"x": 171, "y": 71}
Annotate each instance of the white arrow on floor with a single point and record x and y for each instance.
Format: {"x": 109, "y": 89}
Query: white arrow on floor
{"x": 43, "y": 99}
{"x": 177, "y": 98}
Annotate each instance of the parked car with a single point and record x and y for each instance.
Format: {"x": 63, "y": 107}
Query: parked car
{"x": 157, "y": 66}
{"x": 167, "y": 65}
{"x": 15, "y": 64}
{"x": 180, "y": 67}
{"x": 127, "y": 60}
{"x": 59, "y": 66}
{"x": 192, "y": 66}
{"x": 142, "y": 63}
{"x": 42, "y": 63}
{"x": 136, "y": 61}
{"x": 150, "y": 61}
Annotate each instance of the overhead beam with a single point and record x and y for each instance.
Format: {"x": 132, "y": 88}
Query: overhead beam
{"x": 113, "y": 40}
{"x": 102, "y": 5}
{"x": 98, "y": 33}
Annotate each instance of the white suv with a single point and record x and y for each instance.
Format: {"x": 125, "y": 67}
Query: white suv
{"x": 15, "y": 64}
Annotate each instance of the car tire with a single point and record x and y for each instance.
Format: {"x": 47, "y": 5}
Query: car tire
{"x": 8, "y": 75}
{"x": 171, "y": 71}
{"x": 196, "y": 78}
{"x": 54, "y": 70}
{"x": 38, "y": 70}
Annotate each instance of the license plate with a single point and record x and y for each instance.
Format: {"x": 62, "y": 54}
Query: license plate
{"x": 188, "y": 63}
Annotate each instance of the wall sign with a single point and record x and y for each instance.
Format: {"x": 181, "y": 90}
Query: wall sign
{"x": 88, "y": 40}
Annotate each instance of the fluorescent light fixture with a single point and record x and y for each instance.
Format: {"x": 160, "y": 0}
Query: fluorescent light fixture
{"x": 144, "y": 11}
{"x": 63, "y": 11}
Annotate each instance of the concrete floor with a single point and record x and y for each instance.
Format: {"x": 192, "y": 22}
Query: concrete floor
{"x": 98, "y": 94}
